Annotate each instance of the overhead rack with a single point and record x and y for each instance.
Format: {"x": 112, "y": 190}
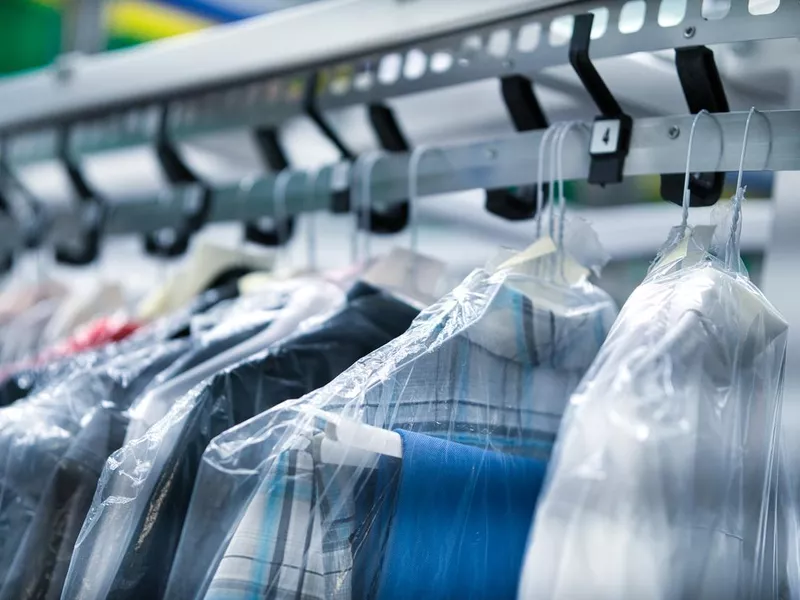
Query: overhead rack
{"x": 258, "y": 74}
{"x": 261, "y": 63}
{"x": 658, "y": 145}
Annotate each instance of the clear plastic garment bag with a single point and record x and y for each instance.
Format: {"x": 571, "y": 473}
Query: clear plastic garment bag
{"x": 389, "y": 481}
{"x": 128, "y": 540}
{"x": 71, "y": 419}
{"x": 660, "y": 484}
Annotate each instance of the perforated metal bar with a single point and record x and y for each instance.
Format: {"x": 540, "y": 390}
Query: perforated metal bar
{"x": 264, "y": 90}
{"x": 774, "y": 144}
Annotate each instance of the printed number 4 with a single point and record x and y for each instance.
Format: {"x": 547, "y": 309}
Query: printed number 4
{"x": 607, "y": 135}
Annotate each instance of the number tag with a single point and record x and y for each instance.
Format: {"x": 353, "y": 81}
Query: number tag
{"x": 605, "y": 136}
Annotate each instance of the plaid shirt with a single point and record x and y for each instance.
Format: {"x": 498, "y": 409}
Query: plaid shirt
{"x": 496, "y": 375}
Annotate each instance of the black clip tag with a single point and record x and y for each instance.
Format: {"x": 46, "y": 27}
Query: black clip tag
{"x": 527, "y": 115}
{"x": 611, "y": 132}
{"x": 86, "y": 248}
{"x": 175, "y": 242}
{"x": 702, "y": 87}
{"x": 608, "y": 148}
{"x": 273, "y": 231}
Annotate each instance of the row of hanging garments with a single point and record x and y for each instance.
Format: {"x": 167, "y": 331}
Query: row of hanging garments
{"x": 340, "y": 436}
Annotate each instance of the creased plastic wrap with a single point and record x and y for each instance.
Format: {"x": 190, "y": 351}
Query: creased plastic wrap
{"x": 659, "y": 487}
{"x": 37, "y": 432}
{"x": 290, "y": 504}
{"x": 70, "y": 427}
{"x": 128, "y": 541}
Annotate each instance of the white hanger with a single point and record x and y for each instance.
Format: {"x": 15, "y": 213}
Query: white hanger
{"x": 348, "y": 442}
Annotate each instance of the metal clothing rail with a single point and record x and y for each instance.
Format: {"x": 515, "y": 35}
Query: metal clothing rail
{"x": 275, "y": 43}
{"x": 361, "y": 51}
{"x": 658, "y": 145}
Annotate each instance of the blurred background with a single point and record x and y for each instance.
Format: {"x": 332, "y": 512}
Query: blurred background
{"x": 35, "y": 32}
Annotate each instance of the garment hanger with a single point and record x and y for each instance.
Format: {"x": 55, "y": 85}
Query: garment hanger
{"x": 570, "y": 270}
{"x": 413, "y": 278}
{"x": 364, "y": 168}
{"x": 732, "y": 245}
{"x": 346, "y": 441}
{"x": 284, "y": 231}
{"x": 255, "y": 279}
{"x": 545, "y": 261}
{"x": 678, "y": 248}
{"x": 694, "y": 245}
{"x": 281, "y": 213}
{"x": 753, "y": 300}
{"x": 310, "y": 299}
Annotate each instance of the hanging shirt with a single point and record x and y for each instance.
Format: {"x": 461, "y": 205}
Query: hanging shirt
{"x": 41, "y": 562}
{"x": 37, "y": 432}
{"x": 231, "y": 333}
{"x": 456, "y": 528}
{"x": 661, "y": 486}
{"x": 19, "y": 383}
{"x": 125, "y": 549}
{"x": 483, "y": 367}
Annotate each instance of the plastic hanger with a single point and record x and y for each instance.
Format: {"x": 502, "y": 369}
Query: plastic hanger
{"x": 350, "y": 442}
{"x": 413, "y": 278}
{"x": 309, "y": 299}
{"x": 206, "y": 262}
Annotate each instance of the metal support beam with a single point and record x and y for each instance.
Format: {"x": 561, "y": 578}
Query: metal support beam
{"x": 774, "y": 144}
{"x": 463, "y": 41}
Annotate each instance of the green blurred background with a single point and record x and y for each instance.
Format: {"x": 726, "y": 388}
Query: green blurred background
{"x": 31, "y": 30}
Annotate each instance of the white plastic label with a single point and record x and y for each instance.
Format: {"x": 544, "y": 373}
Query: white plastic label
{"x": 605, "y": 136}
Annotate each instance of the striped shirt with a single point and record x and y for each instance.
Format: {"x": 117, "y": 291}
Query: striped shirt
{"x": 485, "y": 366}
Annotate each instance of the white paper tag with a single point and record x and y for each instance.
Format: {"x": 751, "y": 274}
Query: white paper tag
{"x": 410, "y": 276}
{"x": 570, "y": 269}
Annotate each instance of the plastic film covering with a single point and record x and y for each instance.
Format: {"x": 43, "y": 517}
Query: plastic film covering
{"x": 415, "y": 472}
{"x": 789, "y": 507}
{"x": 37, "y": 432}
{"x": 80, "y": 416}
{"x": 128, "y": 541}
{"x": 660, "y": 485}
